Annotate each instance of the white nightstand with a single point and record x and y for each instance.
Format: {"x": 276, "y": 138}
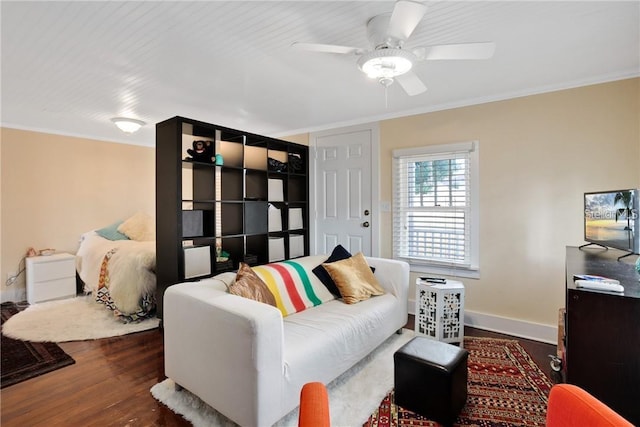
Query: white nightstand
{"x": 440, "y": 311}
{"x": 50, "y": 277}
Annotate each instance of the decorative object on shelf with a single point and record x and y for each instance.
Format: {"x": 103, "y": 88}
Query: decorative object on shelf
{"x": 276, "y": 165}
{"x": 295, "y": 163}
{"x": 219, "y": 159}
{"x": 250, "y": 259}
{"x": 226, "y": 265}
{"x": 221, "y": 256}
{"x": 128, "y": 125}
{"x": 202, "y": 151}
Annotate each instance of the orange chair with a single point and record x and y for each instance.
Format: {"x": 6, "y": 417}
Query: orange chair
{"x": 314, "y": 406}
{"x": 570, "y": 406}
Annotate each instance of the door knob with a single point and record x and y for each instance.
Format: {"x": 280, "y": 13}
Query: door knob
{"x": 366, "y": 212}
{"x": 365, "y": 224}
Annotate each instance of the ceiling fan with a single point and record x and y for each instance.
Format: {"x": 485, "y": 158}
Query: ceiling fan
{"x": 388, "y": 60}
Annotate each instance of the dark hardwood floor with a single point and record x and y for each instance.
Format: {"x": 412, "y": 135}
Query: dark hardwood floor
{"x": 110, "y": 381}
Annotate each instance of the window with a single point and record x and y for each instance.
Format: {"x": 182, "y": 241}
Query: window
{"x": 435, "y": 208}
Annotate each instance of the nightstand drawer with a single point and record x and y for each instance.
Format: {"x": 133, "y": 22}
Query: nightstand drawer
{"x": 53, "y": 289}
{"x": 53, "y": 269}
{"x": 51, "y": 277}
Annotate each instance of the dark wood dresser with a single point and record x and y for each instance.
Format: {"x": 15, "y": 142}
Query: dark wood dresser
{"x": 603, "y": 330}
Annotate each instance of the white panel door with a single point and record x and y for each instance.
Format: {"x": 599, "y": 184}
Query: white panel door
{"x": 344, "y": 184}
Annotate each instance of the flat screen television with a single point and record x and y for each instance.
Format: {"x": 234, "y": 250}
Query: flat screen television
{"x": 612, "y": 219}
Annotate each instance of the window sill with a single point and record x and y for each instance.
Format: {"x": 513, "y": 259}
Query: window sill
{"x": 453, "y": 271}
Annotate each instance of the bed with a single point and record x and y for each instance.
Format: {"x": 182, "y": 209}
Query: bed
{"x": 118, "y": 270}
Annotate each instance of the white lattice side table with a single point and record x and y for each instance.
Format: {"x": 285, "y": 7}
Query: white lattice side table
{"x": 440, "y": 311}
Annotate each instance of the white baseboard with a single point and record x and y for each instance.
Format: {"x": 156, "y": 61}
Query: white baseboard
{"x": 13, "y": 294}
{"x": 505, "y": 325}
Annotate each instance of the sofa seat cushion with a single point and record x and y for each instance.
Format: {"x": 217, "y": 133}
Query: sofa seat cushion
{"x": 323, "y": 341}
{"x": 293, "y": 284}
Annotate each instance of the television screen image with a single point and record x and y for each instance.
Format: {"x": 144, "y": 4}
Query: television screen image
{"x": 611, "y": 219}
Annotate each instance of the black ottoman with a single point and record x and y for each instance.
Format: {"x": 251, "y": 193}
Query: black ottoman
{"x": 431, "y": 379}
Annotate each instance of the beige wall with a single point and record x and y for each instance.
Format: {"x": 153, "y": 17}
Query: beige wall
{"x": 302, "y": 138}
{"x": 54, "y": 188}
{"x": 538, "y": 155}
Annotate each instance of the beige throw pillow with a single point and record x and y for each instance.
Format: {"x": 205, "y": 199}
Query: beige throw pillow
{"x": 354, "y": 279}
{"x": 249, "y": 285}
{"x": 139, "y": 227}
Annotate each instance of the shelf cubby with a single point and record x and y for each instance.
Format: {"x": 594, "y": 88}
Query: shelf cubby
{"x": 230, "y": 219}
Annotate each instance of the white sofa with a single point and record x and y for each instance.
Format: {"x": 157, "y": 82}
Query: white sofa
{"x": 248, "y": 362}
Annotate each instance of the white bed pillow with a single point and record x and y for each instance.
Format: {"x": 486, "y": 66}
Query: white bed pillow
{"x": 140, "y": 227}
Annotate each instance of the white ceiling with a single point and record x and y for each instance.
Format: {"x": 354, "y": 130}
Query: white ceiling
{"x": 68, "y": 67}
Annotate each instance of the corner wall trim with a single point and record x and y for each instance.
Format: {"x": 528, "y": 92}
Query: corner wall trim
{"x": 504, "y": 325}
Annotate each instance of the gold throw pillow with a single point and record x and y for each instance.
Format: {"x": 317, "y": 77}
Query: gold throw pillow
{"x": 354, "y": 279}
{"x": 249, "y": 285}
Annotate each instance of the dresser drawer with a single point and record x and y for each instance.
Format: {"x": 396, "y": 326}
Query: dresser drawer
{"x": 51, "y": 269}
{"x": 52, "y": 289}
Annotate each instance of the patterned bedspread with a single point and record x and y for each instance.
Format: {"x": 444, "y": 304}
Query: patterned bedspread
{"x": 119, "y": 274}
{"x": 147, "y": 301}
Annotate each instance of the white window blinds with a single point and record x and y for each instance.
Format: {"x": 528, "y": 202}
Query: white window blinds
{"x": 433, "y": 205}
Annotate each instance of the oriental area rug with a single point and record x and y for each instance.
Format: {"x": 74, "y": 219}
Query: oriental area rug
{"x": 505, "y": 388}
{"x": 22, "y": 360}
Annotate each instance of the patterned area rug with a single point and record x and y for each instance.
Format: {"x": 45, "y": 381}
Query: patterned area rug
{"x": 505, "y": 388}
{"x": 22, "y": 360}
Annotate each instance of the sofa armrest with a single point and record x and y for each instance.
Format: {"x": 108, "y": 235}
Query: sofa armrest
{"x": 393, "y": 275}
{"x": 226, "y": 349}
{"x": 570, "y": 405}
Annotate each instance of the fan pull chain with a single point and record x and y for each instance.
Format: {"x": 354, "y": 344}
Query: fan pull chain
{"x": 386, "y": 97}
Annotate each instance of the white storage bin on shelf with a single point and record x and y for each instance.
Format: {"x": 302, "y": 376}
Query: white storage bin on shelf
{"x": 276, "y": 249}
{"x": 296, "y": 245}
{"x": 276, "y": 190}
{"x": 295, "y": 219}
{"x": 275, "y": 218}
{"x": 197, "y": 261}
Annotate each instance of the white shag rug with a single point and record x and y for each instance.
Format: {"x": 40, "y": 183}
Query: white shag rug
{"x": 74, "y": 319}
{"x": 352, "y": 397}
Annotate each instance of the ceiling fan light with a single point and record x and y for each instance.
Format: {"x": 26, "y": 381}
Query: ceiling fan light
{"x": 386, "y": 67}
{"x": 128, "y": 125}
{"x": 386, "y": 63}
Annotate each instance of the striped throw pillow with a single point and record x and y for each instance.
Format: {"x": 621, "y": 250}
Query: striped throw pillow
{"x": 293, "y": 285}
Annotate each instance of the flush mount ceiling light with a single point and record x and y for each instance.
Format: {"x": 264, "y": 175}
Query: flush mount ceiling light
{"x": 128, "y": 125}
{"x": 385, "y": 64}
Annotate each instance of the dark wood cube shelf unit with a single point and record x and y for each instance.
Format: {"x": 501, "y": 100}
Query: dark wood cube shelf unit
{"x": 201, "y": 205}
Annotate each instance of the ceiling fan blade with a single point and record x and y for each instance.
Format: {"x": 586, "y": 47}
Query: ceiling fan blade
{"x": 411, "y": 83}
{"x": 327, "y": 48}
{"x": 405, "y": 18}
{"x": 483, "y": 50}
